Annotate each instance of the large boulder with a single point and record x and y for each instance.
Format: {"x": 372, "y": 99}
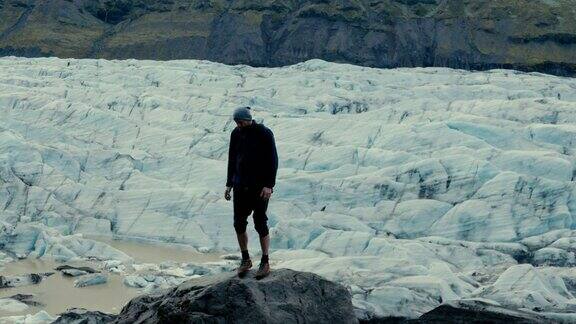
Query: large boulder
{"x": 285, "y": 296}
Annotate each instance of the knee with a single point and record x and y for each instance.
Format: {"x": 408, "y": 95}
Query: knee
{"x": 261, "y": 228}
{"x": 240, "y": 226}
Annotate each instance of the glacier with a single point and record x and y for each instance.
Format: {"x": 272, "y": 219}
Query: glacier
{"x": 411, "y": 186}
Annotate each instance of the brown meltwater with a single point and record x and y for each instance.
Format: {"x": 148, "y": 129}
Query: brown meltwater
{"x": 57, "y": 292}
{"x": 156, "y": 252}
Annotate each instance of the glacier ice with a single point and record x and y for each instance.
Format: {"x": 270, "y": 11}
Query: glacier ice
{"x": 41, "y": 317}
{"x": 523, "y": 286}
{"x": 411, "y": 186}
{"x": 10, "y": 305}
{"x": 90, "y": 280}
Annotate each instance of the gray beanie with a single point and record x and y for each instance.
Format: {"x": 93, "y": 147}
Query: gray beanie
{"x": 242, "y": 113}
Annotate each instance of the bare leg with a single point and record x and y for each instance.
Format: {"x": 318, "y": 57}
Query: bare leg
{"x": 265, "y": 244}
{"x": 243, "y": 241}
{"x": 245, "y": 265}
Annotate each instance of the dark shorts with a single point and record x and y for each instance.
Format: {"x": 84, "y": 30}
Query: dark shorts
{"x": 247, "y": 200}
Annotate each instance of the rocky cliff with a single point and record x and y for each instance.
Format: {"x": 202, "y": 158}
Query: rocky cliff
{"x": 530, "y": 35}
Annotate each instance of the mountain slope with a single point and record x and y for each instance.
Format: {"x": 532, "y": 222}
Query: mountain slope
{"x": 522, "y": 34}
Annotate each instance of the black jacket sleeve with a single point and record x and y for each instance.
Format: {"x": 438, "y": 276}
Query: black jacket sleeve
{"x": 231, "y": 160}
{"x": 272, "y": 159}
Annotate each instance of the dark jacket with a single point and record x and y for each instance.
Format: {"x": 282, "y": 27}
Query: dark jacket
{"x": 252, "y": 157}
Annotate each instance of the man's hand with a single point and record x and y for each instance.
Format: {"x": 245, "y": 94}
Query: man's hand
{"x": 266, "y": 193}
{"x": 227, "y": 193}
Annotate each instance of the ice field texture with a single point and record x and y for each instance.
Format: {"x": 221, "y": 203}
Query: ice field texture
{"x": 411, "y": 186}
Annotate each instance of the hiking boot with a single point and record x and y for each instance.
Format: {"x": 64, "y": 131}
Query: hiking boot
{"x": 263, "y": 270}
{"x": 245, "y": 265}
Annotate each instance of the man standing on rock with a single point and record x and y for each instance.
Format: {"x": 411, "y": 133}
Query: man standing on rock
{"x": 252, "y": 166}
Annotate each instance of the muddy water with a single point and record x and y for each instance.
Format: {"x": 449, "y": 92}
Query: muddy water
{"x": 58, "y": 293}
{"x": 156, "y": 252}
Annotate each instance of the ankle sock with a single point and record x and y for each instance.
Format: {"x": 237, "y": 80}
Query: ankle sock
{"x": 245, "y": 255}
{"x": 264, "y": 258}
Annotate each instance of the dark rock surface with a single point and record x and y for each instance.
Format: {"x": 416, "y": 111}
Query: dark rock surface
{"x": 476, "y": 312}
{"x": 467, "y": 312}
{"x": 69, "y": 267}
{"x": 530, "y": 35}
{"x": 285, "y": 296}
{"x": 82, "y": 316}
{"x": 72, "y": 271}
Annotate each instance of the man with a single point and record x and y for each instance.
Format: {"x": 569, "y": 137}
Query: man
{"x": 252, "y": 167}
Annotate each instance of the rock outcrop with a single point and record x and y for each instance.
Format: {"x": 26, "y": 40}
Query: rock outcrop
{"x": 531, "y": 35}
{"x": 285, "y": 296}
